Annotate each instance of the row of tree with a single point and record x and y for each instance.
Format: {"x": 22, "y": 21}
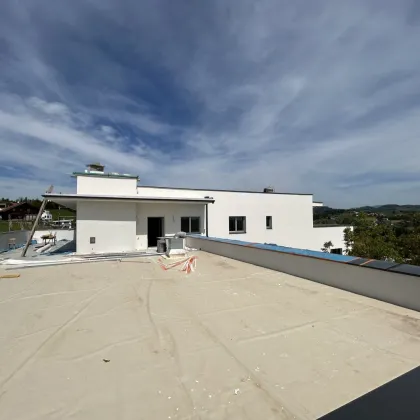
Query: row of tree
{"x": 384, "y": 241}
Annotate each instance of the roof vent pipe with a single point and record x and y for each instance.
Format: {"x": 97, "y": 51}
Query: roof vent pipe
{"x": 269, "y": 190}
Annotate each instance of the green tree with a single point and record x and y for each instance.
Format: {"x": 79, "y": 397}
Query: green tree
{"x": 410, "y": 241}
{"x": 347, "y": 220}
{"x": 327, "y": 246}
{"x": 369, "y": 239}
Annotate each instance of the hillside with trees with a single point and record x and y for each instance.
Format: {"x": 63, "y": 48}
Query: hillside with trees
{"x": 389, "y": 232}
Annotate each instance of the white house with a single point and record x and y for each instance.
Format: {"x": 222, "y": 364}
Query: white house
{"x": 116, "y": 214}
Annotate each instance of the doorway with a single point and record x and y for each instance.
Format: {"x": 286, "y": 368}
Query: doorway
{"x": 154, "y": 230}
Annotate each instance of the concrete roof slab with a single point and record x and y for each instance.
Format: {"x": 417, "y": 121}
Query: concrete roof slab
{"x": 230, "y": 340}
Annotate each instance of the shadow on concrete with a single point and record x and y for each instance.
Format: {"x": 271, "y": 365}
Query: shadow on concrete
{"x": 397, "y": 399}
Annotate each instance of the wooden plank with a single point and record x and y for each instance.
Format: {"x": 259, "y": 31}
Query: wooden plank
{"x": 9, "y": 276}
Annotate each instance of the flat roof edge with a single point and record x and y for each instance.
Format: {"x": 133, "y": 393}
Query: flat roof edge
{"x": 126, "y": 198}
{"x": 105, "y": 175}
{"x": 220, "y": 190}
{"x": 393, "y": 268}
{"x": 331, "y": 226}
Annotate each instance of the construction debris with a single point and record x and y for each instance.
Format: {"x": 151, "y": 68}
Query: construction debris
{"x": 43, "y": 248}
{"x": 45, "y": 263}
{"x": 40, "y": 258}
{"x": 187, "y": 264}
{"x": 41, "y": 210}
{"x": 119, "y": 254}
{"x": 9, "y": 276}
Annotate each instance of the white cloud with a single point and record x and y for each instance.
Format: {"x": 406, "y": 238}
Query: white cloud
{"x": 306, "y": 96}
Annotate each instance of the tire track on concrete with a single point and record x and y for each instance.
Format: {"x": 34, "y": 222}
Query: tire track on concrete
{"x": 28, "y": 359}
{"x": 270, "y": 398}
{"x": 166, "y": 342}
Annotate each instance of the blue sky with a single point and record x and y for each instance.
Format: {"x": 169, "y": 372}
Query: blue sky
{"x": 320, "y": 97}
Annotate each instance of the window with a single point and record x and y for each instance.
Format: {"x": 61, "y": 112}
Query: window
{"x": 190, "y": 224}
{"x": 269, "y": 222}
{"x": 337, "y": 251}
{"x": 237, "y": 224}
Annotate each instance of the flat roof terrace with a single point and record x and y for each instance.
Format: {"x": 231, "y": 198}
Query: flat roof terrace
{"x": 128, "y": 340}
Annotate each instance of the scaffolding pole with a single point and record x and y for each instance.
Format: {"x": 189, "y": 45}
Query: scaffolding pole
{"x": 41, "y": 210}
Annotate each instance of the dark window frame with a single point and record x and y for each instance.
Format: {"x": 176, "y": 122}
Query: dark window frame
{"x": 189, "y": 224}
{"x": 235, "y": 219}
{"x": 337, "y": 251}
{"x": 269, "y": 222}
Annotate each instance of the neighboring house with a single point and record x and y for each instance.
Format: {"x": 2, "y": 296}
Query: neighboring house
{"x": 114, "y": 214}
{"x": 22, "y": 211}
{"x": 46, "y": 216}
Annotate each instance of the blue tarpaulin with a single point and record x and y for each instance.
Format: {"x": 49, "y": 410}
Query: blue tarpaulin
{"x": 285, "y": 249}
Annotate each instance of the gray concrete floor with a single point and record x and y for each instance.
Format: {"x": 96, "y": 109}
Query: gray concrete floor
{"x": 127, "y": 340}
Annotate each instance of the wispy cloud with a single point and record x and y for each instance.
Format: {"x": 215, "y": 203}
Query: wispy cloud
{"x": 315, "y": 97}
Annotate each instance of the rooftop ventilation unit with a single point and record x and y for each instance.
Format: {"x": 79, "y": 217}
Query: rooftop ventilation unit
{"x": 269, "y": 190}
{"x": 95, "y": 168}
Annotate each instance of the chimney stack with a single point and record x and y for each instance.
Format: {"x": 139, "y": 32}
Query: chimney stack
{"x": 95, "y": 168}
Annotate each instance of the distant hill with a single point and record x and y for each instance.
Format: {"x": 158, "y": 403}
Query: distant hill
{"x": 326, "y": 209}
{"x": 389, "y": 207}
{"x": 386, "y": 208}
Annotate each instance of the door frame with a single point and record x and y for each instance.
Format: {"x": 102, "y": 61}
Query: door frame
{"x": 162, "y": 227}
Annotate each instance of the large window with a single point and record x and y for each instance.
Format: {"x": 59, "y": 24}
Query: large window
{"x": 269, "y": 222}
{"x": 190, "y": 224}
{"x": 237, "y": 224}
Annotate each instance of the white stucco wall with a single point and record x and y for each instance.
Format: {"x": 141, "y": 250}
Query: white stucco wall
{"x": 123, "y": 226}
{"x": 171, "y": 213}
{"x": 396, "y": 288}
{"x": 292, "y": 215}
{"x": 320, "y": 235}
{"x": 113, "y": 224}
{"x": 170, "y": 192}
{"x": 106, "y": 186}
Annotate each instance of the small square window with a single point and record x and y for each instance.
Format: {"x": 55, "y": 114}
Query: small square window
{"x": 92, "y": 239}
{"x": 269, "y": 222}
{"x": 237, "y": 224}
{"x": 232, "y": 224}
{"x": 195, "y": 225}
{"x": 190, "y": 224}
{"x": 337, "y": 251}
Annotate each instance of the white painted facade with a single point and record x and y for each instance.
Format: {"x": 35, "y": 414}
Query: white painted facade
{"x": 171, "y": 213}
{"x": 112, "y": 215}
{"x": 111, "y": 225}
{"x": 106, "y": 185}
{"x": 320, "y": 235}
{"x": 292, "y": 217}
{"x": 122, "y": 226}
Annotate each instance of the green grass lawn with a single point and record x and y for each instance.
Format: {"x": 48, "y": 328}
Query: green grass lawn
{"x": 56, "y": 214}
{"x": 4, "y": 226}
